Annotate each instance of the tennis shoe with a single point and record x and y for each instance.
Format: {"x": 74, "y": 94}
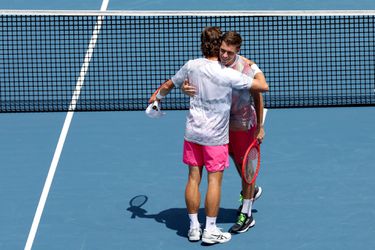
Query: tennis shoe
{"x": 215, "y": 236}
{"x": 194, "y": 234}
{"x": 244, "y": 222}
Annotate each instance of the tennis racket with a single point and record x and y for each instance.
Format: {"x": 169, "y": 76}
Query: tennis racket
{"x": 251, "y": 163}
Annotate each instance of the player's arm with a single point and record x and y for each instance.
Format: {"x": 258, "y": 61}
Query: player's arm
{"x": 258, "y": 103}
{"x": 242, "y": 81}
{"x": 258, "y": 98}
{"x": 258, "y": 75}
{"x": 176, "y": 81}
{"x": 259, "y": 86}
{"x": 162, "y": 91}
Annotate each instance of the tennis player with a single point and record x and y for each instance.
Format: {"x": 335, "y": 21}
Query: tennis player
{"x": 243, "y": 125}
{"x": 207, "y": 127}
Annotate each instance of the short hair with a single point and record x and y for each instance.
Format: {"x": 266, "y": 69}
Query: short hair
{"x": 211, "y": 41}
{"x": 232, "y": 38}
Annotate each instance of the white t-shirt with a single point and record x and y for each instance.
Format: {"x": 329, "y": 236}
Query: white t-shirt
{"x": 208, "y": 118}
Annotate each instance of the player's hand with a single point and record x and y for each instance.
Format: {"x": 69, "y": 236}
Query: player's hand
{"x": 153, "y": 96}
{"x": 188, "y": 89}
{"x": 260, "y": 134}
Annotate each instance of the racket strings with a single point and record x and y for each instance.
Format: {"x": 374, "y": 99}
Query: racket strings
{"x": 252, "y": 161}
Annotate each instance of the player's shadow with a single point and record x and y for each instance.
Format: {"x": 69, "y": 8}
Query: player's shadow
{"x": 178, "y": 220}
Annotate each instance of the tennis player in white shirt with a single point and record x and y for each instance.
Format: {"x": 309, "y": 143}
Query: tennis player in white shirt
{"x": 246, "y": 110}
{"x": 206, "y": 134}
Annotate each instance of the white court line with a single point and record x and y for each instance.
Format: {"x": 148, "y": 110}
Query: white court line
{"x": 65, "y": 129}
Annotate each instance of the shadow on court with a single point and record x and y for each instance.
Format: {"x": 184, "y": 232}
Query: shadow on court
{"x": 177, "y": 218}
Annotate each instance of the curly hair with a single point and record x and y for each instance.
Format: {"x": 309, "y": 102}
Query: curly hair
{"x": 211, "y": 41}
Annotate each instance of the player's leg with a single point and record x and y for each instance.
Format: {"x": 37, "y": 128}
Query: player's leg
{"x": 240, "y": 141}
{"x": 193, "y": 199}
{"x": 213, "y": 196}
{"x": 216, "y": 160}
{"x": 193, "y": 157}
{"x": 245, "y": 219}
{"x": 192, "y": 193}
{"x": 212, "y": 234}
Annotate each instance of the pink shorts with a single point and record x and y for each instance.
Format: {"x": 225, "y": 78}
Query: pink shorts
{"x": 239, "y": 141}
{"x": 214, "y": 158}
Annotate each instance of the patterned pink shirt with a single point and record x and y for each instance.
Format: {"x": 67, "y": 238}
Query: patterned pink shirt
{"x": 242, "y": 113}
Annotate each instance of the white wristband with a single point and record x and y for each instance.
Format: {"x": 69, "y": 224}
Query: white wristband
{"x": 255, "y": 69}
{"x": 159, "y": 96}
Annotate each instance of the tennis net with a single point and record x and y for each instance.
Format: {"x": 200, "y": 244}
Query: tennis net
{"x": 108, "y": 61}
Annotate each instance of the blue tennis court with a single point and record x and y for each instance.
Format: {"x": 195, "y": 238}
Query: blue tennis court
{"x": 317, "y": 170}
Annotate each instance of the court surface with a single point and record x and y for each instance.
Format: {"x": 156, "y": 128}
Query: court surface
{"x": 317, "y": 173}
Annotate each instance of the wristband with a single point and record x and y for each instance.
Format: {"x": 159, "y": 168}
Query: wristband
{"x": 159, "y": 96}
{"x": 256, "y": 69}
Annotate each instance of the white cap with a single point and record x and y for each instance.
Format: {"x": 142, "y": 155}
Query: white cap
{"x": 153, "y": 110}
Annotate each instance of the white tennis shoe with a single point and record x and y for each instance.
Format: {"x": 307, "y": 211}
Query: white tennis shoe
{"x": 215, "y": 236}
{"x": 194, "y": 234}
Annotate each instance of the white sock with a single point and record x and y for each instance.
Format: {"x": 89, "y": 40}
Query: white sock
{"x": 247, "y": 206}
{"x": 194, "y": 223}
{"x": 210, "y": 223}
